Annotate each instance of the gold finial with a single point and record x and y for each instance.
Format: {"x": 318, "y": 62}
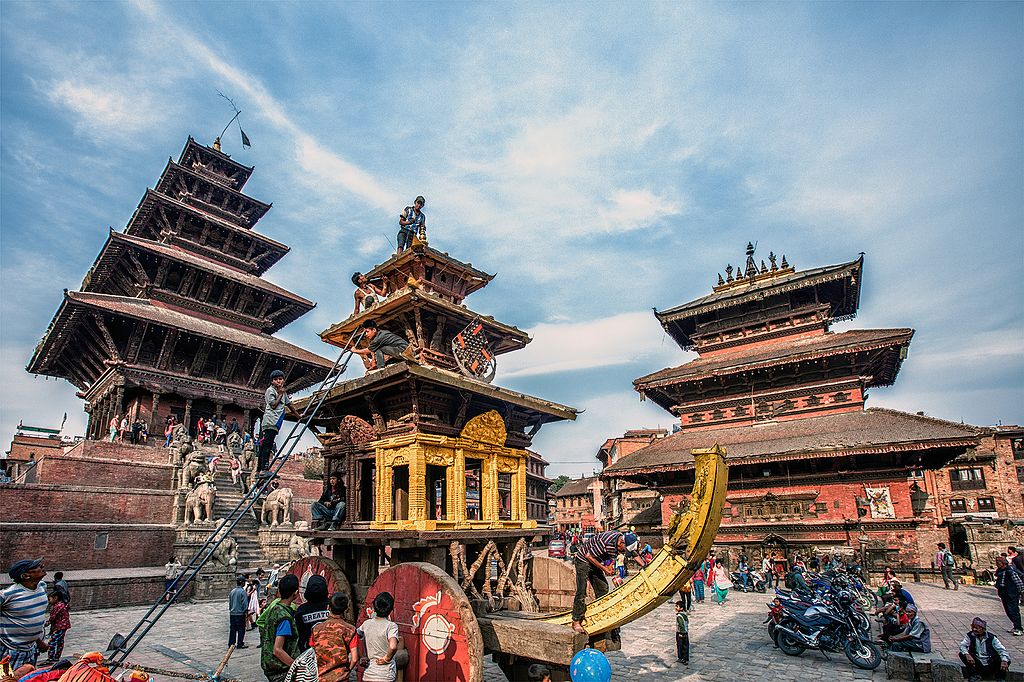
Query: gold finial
{"x": 216, "y": 143}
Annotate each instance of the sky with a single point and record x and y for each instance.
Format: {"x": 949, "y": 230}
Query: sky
{"x": 602, "y": 159}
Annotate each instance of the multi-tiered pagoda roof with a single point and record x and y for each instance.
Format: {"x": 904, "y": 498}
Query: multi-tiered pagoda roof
{"x": 174, "y": 316}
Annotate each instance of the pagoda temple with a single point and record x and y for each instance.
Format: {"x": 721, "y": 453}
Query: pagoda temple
{"x": 811, "y": 468}
{"x": 432, "y": 444}
{"x": 174, "y": 316}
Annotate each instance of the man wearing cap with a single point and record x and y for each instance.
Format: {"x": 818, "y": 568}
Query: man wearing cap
{"x": 915, "y": 635}
{"x": 23, "y": 613}
{"x": 411, "y": 223}
{"x": 589, "y": 562}
{"x": 274, "y": 401}
{"x": 983, "y": 653}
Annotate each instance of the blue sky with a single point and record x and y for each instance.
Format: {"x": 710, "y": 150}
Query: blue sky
{"x": 602, "y": 159}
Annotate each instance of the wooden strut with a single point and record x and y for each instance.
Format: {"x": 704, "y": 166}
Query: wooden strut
{"x": 505, "y": 586}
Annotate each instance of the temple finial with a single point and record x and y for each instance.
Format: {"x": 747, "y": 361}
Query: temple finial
{"x": 751, "y": 269}
{"x": 764, "y": 268}
{"x": 728, "y": 273}
{"x": 216, "y": 143}
{"x": 720, "y": 280}
{"x": 750, "y": 248}
{"x": 771, "y": 259}
{"x": 785, "y": 263}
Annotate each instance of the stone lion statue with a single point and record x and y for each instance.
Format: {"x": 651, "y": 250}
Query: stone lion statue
{"x": 227, "y": 553}
{"x": 178, "y": 451}
{"x": 199, "y": 503}
{"x": 298, "y": 547}
{"x": 193, "y": 464}
{"x": 277, "y": 502}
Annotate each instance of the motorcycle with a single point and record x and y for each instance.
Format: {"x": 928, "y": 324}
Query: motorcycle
{"x": 825, "y": 627}
{"x": 755, "y": 581}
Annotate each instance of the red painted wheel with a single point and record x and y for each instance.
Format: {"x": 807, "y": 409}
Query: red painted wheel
{"x": 436, "y": 622}
{"x": 337, "y": 581}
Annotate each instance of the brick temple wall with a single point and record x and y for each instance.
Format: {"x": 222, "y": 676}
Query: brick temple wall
{"x": 70, "y": 546}
{"x": 43, "y": 503}
{"x": 93, "y": 471}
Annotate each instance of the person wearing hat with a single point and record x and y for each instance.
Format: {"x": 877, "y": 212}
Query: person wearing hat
{"x": 412, "y": 223}
{"x": 590, "y": 568}
{"x": 982, "y": 653}
{"x": 274, "y": 401}
{"x": 23, "y": 614}
{"x": 915, "y": 635}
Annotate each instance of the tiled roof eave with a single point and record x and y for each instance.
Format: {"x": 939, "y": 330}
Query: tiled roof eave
{"x": 878, "y": 449}
{"x": 648, "y": 382}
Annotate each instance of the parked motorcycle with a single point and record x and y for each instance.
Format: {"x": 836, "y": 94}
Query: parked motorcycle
{"x": 824, "y": 625}
{"x": 755, "y": 581}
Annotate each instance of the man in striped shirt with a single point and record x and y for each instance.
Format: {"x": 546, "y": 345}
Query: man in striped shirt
{"x": 23, "y": 613}
{"x": 589, "y": 559}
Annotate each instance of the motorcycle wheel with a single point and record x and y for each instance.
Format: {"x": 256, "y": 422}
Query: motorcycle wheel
{"x": 760, "y": 586}
{"x": 788, "y": 645}
{"x": 866, "y": 600}
{"x": 772, "y": 633}
{"x": 864, "y": 655}
{"x": 862, "y": 623}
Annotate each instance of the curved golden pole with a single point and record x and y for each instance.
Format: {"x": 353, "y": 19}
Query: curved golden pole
{"x": 690, "y": 536}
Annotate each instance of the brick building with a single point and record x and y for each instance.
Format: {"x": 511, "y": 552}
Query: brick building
{"x": 537, "y": 485}
{"x": 811, "y": 467}
{"x": 578, "y": 503}
{"x": 623, "y": 500}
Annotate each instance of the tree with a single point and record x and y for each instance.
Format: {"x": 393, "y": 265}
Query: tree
{"x": 557, "y": 484}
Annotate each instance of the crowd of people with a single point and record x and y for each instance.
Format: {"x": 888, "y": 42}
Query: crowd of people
{"x": 123, "y": 429}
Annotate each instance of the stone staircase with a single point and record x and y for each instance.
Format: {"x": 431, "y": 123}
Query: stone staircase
{"x": 246, "y": 533}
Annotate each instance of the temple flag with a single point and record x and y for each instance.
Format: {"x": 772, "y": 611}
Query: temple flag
{"x": 245, "y": 138}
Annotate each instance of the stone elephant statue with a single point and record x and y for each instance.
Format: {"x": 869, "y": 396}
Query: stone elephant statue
{"x": 199, "y": 503}
{"x": 278, "y": 503}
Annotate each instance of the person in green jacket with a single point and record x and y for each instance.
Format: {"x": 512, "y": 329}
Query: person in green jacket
{"x": 279, "y": 635}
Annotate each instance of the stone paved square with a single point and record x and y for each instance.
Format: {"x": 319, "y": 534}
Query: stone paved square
{"x": 727, "y": 642}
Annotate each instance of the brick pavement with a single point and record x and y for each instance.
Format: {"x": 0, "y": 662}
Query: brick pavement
{"x": 727, "y": 643}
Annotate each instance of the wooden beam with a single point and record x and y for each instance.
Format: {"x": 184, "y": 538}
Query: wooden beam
{"x": 531, "y": 639}
{"x": 167, "y": 348}
{"x": 199, "y": 359}
{"x": 135, "y": 341}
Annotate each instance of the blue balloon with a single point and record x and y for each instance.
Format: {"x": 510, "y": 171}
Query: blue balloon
{"x": 590, "y": 665}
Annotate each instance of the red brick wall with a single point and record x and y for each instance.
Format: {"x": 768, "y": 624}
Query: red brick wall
{"x": 90, "y": 471}
{"x": 71, "y": 546}
{"x": 75, "y": 504}
{"x": 153, "y": 454}
{"x": 22, "y": 447}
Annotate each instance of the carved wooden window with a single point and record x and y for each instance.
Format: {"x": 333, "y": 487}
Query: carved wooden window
{"x": 972, "y": 478}
{"x": 986, "y": 504}
{"x": 1020, "y": 474}
{"x": 1017, "y": 445}
{"x": 958, "y": 505}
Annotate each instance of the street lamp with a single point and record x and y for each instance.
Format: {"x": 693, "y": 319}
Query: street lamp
{"x": 918, "y": 499}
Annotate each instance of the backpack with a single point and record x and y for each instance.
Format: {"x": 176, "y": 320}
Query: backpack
{"x": 947, "y": 559}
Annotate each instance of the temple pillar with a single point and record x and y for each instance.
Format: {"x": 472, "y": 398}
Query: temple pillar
{"x": 154, "y": 423}
{"x": 417, "y": 484}
{"x": 119, "y": 401}
{"x": 218, "y": 411}
{"x": 187, "y": 418}
{"x": 247, "y": 421}
{"x": 490, "y": 500}
{"x": 457, "y": 488}
{"x": 519, "y": 492}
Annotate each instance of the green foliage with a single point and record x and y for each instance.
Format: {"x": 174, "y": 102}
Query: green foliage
{"x": 557, "y": 484}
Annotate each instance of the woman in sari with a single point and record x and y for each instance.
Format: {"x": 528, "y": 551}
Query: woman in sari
{"x": 722, "y": 583}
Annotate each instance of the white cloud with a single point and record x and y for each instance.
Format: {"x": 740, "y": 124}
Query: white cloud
{"x": 635, "y": 209}
{"x": 605, "y": 342}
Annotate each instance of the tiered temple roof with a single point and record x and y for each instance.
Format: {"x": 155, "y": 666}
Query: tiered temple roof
{"x": 174, "y": 308}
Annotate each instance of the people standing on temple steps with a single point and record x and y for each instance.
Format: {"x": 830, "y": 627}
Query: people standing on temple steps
{"x": 383, "y": 344}
{"x": 412, "y": 223}
{"x": 329, "y": 510}
{"x": 367, "y": 294}
{"x": 274, "y": 400}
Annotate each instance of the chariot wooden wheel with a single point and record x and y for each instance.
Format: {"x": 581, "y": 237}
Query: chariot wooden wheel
{"x": 337, "y": 581}
{"x": 435, "y": 620}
